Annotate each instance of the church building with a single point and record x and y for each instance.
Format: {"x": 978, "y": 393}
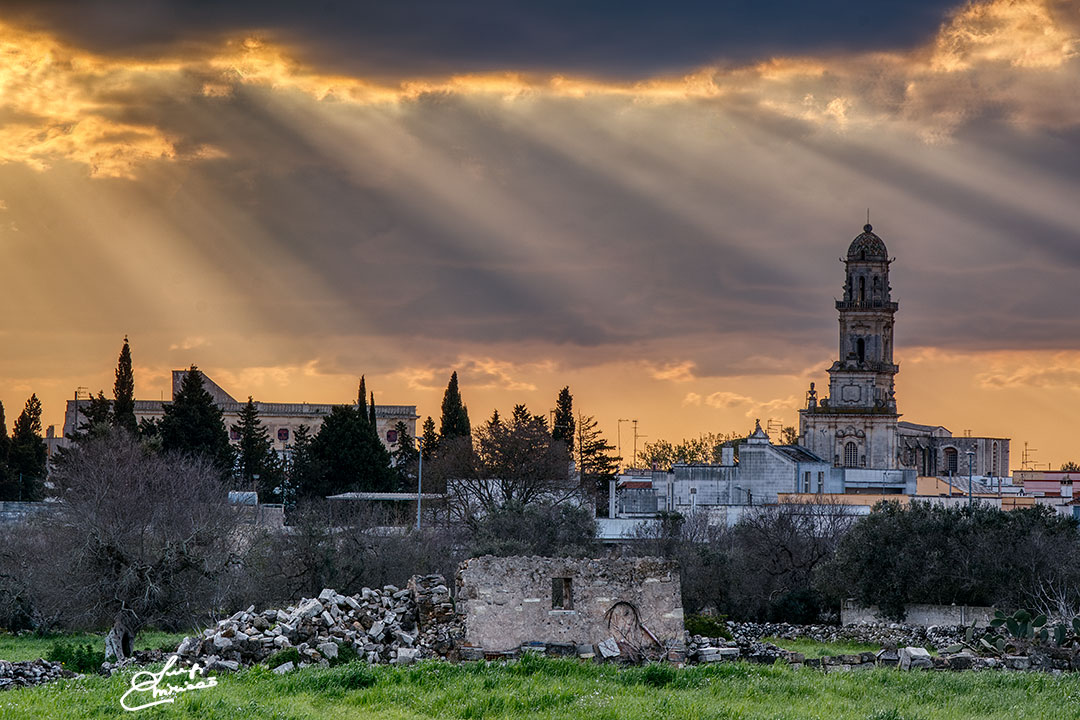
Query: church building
{"x": 858, "y": 424}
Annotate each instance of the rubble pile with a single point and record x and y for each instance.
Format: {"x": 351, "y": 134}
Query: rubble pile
{"x": 441, "y": 628}
{"x": 30, "y": 672}
{"x": 379, "y": 626}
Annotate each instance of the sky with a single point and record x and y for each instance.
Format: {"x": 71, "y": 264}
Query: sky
{"x": 646, "y": 202}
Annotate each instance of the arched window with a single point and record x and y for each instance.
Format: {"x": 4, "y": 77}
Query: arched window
{"x": 951, "y": 461}
{"x": 860, "y": 349}
{"x": 862, "y": 289}
{"x": 851, "y": 455}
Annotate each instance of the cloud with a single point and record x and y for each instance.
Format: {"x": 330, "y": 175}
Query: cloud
{"x": 1058, "y": 371}
{"x": 726, "y": 399}
{"x": 674, "y": 372}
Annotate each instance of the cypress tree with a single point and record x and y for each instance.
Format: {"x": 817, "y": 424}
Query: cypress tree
{"x": 123, "y": 410}
{"x": 27, "y": 454}
{"x": 361, "y": 395}
{"x": 562, "y": 426}
{"x": 193, "y": 424}
{"x": 431, "y": 439}
{"x": 371, "y": 412}
{"x": 6, "y": 489}
{"x": 5, "y": 442}
{"x": 455, "y": 416}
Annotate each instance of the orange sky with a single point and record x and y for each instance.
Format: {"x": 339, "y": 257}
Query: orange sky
{"x": 666, "y": 246}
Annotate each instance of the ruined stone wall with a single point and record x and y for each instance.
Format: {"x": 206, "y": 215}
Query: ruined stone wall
{"x": 508, "y": 602}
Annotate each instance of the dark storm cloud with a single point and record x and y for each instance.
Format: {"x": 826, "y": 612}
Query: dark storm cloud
{"x": 390, "y": 39}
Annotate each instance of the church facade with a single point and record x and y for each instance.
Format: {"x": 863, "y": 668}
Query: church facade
{"x": 858, "y": 425}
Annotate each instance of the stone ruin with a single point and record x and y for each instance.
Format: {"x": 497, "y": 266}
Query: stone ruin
{"x": 628, "y": 608}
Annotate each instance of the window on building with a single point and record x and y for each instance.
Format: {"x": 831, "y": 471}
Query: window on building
{"x": 951, "y": 461}
{"x": 862, "y": 290}
{"x": 391, "y": 436}
{"x": 860, "y": 349}
{"x": 283, "y": 434}
{"x": 234, "y": 434}
{"x": 562, "y": 594}
{"x": 806, "y": 482}
{"x": 851, "y": 455}
{"x": 821, "y": 482}
{"x": 994, "y": 459}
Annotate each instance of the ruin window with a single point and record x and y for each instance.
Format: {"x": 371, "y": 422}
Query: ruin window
{"x": 562, "y": 594}
{"x": 951, "y": 460}
{"x": 851, "y": 455}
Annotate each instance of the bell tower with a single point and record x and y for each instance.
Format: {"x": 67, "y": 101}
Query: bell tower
{"x": 856, "y": 425}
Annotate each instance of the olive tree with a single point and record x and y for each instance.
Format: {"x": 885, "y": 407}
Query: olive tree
{"x": 139, "y": 538}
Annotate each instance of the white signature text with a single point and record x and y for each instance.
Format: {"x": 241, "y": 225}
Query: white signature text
{"x": 151, "y": 682}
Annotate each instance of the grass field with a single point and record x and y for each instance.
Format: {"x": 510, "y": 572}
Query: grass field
{"x": 32, "y": 647}
{"x": 813, "y": 649}
{"x": 544, "y": 688}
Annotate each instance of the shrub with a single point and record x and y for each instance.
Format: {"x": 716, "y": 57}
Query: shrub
{"x": 283, "y": 656}
{"x": 707, "y": 626}
{"x": 801, "y": 607}
{"x": 77, "y": 658}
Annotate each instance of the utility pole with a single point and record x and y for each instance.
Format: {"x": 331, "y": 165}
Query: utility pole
{"x": 419, "y": 481}
{"x": 619, "y": 431}
{"x": 636, "y": 436}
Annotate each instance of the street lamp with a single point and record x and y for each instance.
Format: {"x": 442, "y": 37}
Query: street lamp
{"x": 419, "y": 480}
{"x": 971, "y": 494}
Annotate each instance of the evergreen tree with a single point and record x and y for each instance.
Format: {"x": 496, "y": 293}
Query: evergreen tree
{"x": 303, "y": 469}
{"x": 361, "y": 395}
{"x": 5, "y": 442}
{"x": 348, "y": 456}
{"x": 596, "y": 462}
{"x": 455, "y": 416}
{"x": 99, "y": 418}
{"x": 371, "y": 412}
{"x": 431, "y": 439}
{"x": 6, "y": 489}
{"x": 404, "y": 457}
{"x": 256, "y": 462}
{"x": 123, "y": 410}
{"x": 562, "y": 426}
{"x": 27, "y": 454}
{"x": 192, "y": 423}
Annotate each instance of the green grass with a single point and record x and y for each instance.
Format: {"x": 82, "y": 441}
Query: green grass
{"x": 547, "y": 688}
{"x": 814, "y": 649}
{"x": 32, "y": 647}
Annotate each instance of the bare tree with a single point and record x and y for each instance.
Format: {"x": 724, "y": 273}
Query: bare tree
{"x": 516, "y": 463}
{"x": 140, "y": 538}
